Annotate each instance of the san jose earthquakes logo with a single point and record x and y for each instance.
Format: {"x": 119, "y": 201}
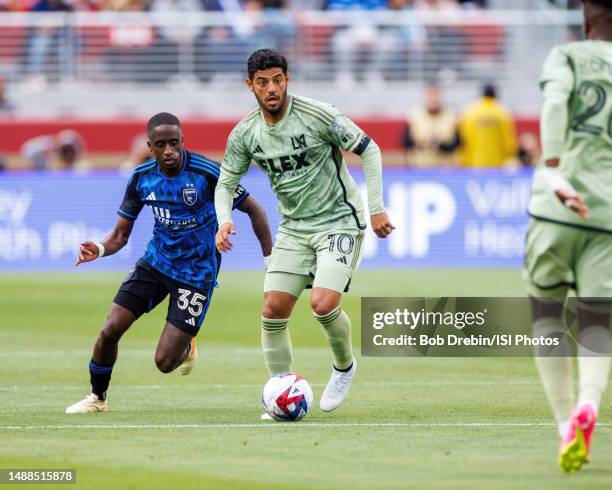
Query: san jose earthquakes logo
{"x": 190, "y": 196}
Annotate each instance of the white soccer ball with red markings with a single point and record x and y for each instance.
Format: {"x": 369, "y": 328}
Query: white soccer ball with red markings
{"x": 287, "y": 397}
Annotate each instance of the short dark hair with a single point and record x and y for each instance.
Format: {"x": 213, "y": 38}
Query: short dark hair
{"x": 602, "y": 3}
{"x": 264, "y": 59}
{"x": 489, "y": 90}
{"x": 160, "y": 119}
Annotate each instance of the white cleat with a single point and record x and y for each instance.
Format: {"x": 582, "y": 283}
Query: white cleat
{"x": 91, "y": 404}
{"x": 265, "y": 416}
{"x": 190, "y": 361}
{"x": 337, "y": 388}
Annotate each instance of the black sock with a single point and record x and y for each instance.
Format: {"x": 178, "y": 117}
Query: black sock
{"x": 100, "y": 377}
{"x": 346, "y": 370}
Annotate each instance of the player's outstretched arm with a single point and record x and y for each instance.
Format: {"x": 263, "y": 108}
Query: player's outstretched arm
{"x": 224, "y": 198}
{"x": 223, "y": 206}
{"x": 259, "y": 222}
{"x": 115, "y": 241}
{"x": 372, "y": 164}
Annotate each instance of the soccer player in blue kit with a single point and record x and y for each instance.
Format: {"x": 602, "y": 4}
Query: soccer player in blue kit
{"x": 180, "y": 259}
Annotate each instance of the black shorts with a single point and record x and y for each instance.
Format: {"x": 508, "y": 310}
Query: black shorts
{"x": 145, "y": 287}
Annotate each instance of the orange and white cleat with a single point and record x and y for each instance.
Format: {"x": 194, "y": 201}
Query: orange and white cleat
{"x": 576, "y": 445}
{"x": 190, "y": 361}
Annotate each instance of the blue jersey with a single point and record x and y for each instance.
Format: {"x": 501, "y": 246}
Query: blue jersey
{"x": 183, "y": 242}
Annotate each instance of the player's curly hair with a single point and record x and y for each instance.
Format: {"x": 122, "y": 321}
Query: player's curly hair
{"x": 162, "y": 118}
{"x": 264, "y": 59}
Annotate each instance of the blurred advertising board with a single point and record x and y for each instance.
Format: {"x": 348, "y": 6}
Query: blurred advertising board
{"x": 444, "y": 219}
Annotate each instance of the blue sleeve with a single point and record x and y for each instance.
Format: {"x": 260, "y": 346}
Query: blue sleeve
{"x": 131, "y": 204}
{"x": 240, "y": 194}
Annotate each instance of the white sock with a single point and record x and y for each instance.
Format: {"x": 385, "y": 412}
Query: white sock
{"x": 594, "y": 349}
{"x": 556, "y": 372}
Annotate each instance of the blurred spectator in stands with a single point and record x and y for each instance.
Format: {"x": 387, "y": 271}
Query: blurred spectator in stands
{"x": 436, "y": 5}
{"x": 529, "y": 150}
{"x": 566, "y": 4}
{"x": 12, "y": 6}
{"x": 471, "y": 4}
{"x": 171, "y": 27}
{"x": 139, "y": 153}
{"x": 125, "y": 5}
{"x": 175, "y": 37}
{"x": 303, "y": 5}
{"x": 42, "y": 38}
{"x": 445, "y": 46}
{"x": 355, "y": 4}
{"x": 5, "y": 105}
{"x": 65, "y": 150}
{"x": 271, "y": 26}
{"x": 38, "y": 152}
{"x": 132, "y": 42}
{"x": 407, "y": 40}
{"x": 487, "y": 133}
{"x": 360, "y": 47}
{"x": 220, "y": 52}
{"x": 71, "y": 151}
{"x": 432, "y": 136}
{"x": 263, "y": 24}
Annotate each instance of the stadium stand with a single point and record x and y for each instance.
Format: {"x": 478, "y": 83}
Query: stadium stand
{"x": 68, "y": 61}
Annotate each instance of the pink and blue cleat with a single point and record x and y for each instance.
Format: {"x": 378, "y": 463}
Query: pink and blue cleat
{"x": 575, "y": 446}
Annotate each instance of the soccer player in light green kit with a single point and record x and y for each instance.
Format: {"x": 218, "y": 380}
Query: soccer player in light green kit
{"x": 297, "y": 141}
{"x": 569, "y": 241}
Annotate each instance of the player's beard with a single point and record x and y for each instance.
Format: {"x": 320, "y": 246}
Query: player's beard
{"x": 281, "y": 104}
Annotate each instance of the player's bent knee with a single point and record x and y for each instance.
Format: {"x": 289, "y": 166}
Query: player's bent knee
{"x": 116, "y": 324}
{"x": 271, "y": 311}
{"x": 324, "y": 304}
{"x": 277, "y": 306}
{"x": 110, "y": 332}
{"x": 322, "y": 309}
{"x": 165, "y": 364}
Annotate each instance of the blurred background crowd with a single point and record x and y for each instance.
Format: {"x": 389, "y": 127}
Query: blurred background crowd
{"x": 142, "y": 5}
{"x": 449, "y": 83}
{"x": 433, "y": 136}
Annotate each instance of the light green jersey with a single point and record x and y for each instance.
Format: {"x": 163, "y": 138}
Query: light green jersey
{"x": 583, "y": 70}
{"x": 302, "y": 158}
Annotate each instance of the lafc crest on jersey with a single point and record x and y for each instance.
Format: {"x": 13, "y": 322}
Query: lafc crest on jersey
{"x": 190, "y": 195}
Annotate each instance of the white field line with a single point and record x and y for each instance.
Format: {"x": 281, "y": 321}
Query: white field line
{"x": 213, "y": 351}
{"x": 122, "y": 352}
{"x": 269, "y": 425}
{"x": 225, "y": 386}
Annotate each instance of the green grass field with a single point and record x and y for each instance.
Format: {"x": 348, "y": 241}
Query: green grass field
{"x": 408, "y": 423}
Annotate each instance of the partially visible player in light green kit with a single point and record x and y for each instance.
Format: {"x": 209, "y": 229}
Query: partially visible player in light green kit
{"x": 297, "y": 141}
{"x": 569, "y": 240}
